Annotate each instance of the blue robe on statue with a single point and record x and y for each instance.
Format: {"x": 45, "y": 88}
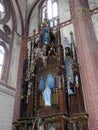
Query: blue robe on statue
{"x": 44, "y": 36}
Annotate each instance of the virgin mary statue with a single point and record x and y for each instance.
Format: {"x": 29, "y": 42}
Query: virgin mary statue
{"x": 47, "y": 96}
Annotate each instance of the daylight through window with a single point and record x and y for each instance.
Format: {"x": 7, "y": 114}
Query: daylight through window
{"x": 2, "y": 52}
{"x": 49, "y": 10}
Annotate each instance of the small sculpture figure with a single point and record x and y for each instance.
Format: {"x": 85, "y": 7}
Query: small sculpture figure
{"x": 71, "y": 86}
{"x": 44, "y": 36}
{"x": 29, "y": 91}
{"x": 47, "y": 96}
{"x": 41, "y": 84}
{"x": 40, "y": 125}
{"x": 50, "y": 81}
{"x": 77, "y": 81}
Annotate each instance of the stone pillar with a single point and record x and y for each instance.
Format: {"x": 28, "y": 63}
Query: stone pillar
{"x": 87, "y": 50}
{"x": 16, "y": 112}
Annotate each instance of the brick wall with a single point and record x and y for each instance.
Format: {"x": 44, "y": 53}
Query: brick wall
{"x": 87, "y": 49}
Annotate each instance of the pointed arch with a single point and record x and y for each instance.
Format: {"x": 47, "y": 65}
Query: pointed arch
{"x": 7, "y": 35}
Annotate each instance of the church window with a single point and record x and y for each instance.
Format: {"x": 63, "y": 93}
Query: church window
{"x": 2, "y": 53}
{"x": 2, "y": 9}
{"x": 49, "y": 11}
{"x": 55, "y": 10}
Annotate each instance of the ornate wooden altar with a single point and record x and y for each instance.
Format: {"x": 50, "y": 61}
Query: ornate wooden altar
{"x": 47, "y": 102}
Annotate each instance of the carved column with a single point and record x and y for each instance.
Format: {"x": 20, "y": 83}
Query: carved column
{"x": 62, "y": 94}
{"x": 87, "y": 49}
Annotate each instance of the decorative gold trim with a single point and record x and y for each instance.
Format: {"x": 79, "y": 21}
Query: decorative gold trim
{"x": 79, "y": 116}
{"x": 70, "y": 119}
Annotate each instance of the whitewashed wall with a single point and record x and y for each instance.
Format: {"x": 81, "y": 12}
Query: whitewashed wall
{"x": 6, "y": 108}
{"x": 12, "y": 79}
{"x": 95, "y": 24}
{"x": 64, "y": 11}
{"x": 65, "y": 35}
{"x": 93, "y": 4}
{"x": 65, "y": 32}
{"x": 34, "y": 21}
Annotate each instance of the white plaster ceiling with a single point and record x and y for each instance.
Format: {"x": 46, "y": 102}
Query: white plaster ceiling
{"x": 29, "y": 2}
{"x": 92, "y": 3}
{"x": 25, "y": 6}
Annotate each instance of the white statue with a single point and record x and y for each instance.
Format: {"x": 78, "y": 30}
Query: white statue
{"x": 47, "y": 96}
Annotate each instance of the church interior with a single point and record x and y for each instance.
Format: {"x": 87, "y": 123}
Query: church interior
{"x": 48, "y": 64}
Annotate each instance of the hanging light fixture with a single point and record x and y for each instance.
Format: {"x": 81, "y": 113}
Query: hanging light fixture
{"x": 2, "y": 9}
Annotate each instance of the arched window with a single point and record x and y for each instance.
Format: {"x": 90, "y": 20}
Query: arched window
{"x": 2, "y": 9}
{"x": 2, "y": 53}
{"x": 6, "y": 37}
{"x": 49, "y": 10}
